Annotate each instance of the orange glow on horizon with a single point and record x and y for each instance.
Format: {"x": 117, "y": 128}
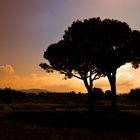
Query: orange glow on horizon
{"x": 126, "y": 80}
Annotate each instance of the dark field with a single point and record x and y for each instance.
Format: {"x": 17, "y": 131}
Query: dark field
{"x": 66, "y": 117}
{"x": 19, "y": 123}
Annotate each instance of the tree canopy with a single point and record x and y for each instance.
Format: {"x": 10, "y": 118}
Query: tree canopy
{"x": 133, "y": 48}
{"x": 74, "y": 55}
{"x": 93, "y": 48}
{"x": 112, "y": 51}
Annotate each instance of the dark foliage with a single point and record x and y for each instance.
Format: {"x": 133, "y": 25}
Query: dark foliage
{"x": 98, "y": 93}
{"x": 133, "y": 48}
{"x": 135, "y": 94}
{"x": 74, "y": 54}
{"x": 93, "y": 48}
{"x": 12, "y": 96}
{"x": 107, "y": 95}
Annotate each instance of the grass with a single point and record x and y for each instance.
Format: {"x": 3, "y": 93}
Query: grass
{"x": 44, "y": 121}
{"x": 18, "y": 131}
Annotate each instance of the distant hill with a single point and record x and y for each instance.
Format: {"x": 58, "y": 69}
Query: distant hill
{"x": 34, "y": 90}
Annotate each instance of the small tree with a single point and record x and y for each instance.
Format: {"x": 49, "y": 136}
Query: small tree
{"x": 134, "y": 94}
{"x": 98, "y": 93}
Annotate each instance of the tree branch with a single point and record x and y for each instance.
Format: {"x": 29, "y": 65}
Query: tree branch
{"x": 96, "y": 76}
{"x": 66, "y": 73}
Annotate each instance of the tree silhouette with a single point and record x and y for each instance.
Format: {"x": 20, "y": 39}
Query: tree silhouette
{"x": 111, "y": 56}
{"x": 98, "y": 93}
{"x": 90, "y": 49}
{"x": 133, "y": 48}
{"x": 73, "y": 55}
{"x": 134, "y": 94}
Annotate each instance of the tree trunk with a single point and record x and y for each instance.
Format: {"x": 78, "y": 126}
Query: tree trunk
{"x": 91, "y": 99}
{"x": 112, "y": 81}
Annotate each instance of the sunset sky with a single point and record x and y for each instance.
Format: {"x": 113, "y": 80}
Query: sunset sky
{"x": 28, "y": 27}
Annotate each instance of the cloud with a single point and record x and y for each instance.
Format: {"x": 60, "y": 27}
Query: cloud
{"x": 7, "y": 69}
{"x": 51, "y": 82}
{"x": 55, "y": 82}
{"x": 34, "y": 76}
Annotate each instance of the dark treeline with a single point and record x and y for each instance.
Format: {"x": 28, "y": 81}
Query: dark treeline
{"x": 13, "y": 96}
{"x": 8, "y": 96}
